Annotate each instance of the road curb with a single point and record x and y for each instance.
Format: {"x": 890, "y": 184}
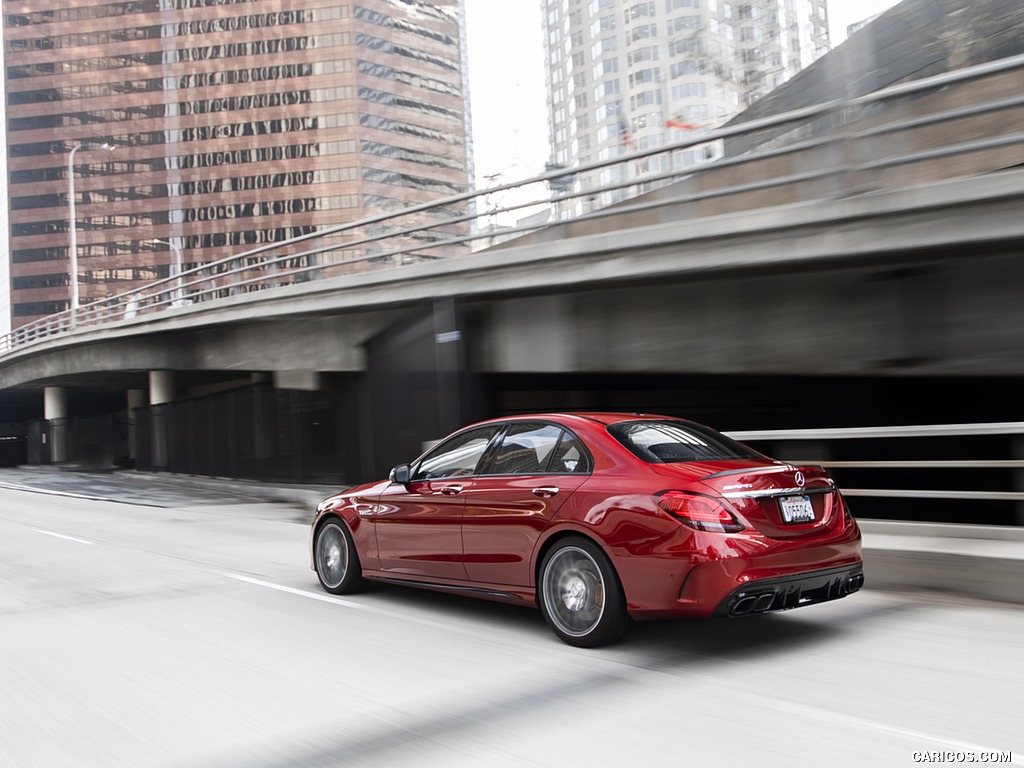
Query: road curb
{"x": 305, "y": 496}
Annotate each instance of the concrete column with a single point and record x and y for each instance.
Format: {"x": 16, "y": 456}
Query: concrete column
{"x": 263, "y": 421}
{"x": 55, "y": 403}
{"x": 308, "y": 381}
{"x": 161, "y": 387}
{"x": 55, "y": 411}
{"x": 136, "y": 399}
{"x": 161, "y": 392}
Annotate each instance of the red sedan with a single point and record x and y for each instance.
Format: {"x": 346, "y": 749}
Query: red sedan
{"x": 598, "y": 519}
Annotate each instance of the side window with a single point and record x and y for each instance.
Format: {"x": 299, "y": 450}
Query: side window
{"x": 458, "y": 456}
{"x": 526, "y": 449}
{"x": 570, "y": 456}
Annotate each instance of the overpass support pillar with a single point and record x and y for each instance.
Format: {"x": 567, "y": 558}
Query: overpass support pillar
{"x": 419, "y": 384}
{"x": 264, "y": 409}
{"x": 55, "y": 411}
{"x": 136, "y": 399}
{"x": 161, "y": 393}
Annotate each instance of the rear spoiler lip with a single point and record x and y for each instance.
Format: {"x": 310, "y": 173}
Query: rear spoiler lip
{"x": 768, "y": 493}
{"x": 777, "y": 467}
{"x": 830, "y": 484}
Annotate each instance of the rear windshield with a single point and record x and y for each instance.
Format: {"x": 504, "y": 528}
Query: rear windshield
{"x": 665, "y": 442}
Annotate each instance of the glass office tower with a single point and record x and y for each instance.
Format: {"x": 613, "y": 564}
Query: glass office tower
{"x": 628, "y": 75}
{"x": 234, "y": 124}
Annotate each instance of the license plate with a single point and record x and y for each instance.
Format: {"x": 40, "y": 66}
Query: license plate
{"x": 796, "y": 509}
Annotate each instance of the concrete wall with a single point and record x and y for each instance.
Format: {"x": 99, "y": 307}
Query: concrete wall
{"x": 956, "y": 316}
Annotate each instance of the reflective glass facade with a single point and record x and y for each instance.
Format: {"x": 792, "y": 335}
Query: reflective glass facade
{"x": 628, "y": 75}
{"x": 235, "y": 123}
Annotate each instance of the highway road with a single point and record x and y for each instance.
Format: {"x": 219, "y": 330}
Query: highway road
{"x": 188, "y": 631}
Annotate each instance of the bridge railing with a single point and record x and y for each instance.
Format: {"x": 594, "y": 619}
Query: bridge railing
{"x": 903, "y": 135}
{"x": 996, "y": 480}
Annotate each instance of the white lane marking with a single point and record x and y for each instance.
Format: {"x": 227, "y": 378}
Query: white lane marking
{"x": 293, "y": 591}
{"x": 61, "y": 536}
{"x": 341, "y": 601}
{"x": 873, "y": 725}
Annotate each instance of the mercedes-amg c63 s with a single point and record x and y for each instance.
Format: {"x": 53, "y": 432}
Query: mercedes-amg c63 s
{"x": 598, "y": 519}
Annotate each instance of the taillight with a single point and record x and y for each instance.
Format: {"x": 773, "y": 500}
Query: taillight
{"x": 697, "y": 511}
{"x": 847, "y": 516}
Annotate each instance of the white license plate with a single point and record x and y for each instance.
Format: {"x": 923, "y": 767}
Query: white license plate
{"x": 796, "y": 509}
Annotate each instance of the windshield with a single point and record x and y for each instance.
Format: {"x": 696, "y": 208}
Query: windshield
{"x": 664, "y": 442}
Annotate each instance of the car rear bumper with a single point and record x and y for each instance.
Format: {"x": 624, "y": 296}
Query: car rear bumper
{"x": 785, "y": 592}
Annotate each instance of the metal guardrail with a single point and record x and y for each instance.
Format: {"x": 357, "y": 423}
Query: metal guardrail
{"x": 916, "y": 431}
{"x": 453, "y": 226}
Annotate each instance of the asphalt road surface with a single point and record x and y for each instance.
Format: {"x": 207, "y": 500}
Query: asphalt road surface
{"x": 191, "y": 633}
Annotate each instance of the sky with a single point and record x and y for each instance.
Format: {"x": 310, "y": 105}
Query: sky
{"x": 506, "y": 82}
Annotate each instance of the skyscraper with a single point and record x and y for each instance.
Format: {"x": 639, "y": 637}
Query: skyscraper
{"x": 233, "y": 123}
{"x": 625, "y": 75}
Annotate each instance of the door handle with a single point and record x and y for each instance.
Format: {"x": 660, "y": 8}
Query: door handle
{"x": 451, "y": 490}
{"x": 545, "y": 491}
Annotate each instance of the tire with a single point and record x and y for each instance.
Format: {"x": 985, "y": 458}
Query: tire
{"x": 337, "y": 562}
{"x": 580, "y": 594}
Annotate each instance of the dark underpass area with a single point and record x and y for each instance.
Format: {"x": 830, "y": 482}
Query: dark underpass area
{"x": 352, "y": 429}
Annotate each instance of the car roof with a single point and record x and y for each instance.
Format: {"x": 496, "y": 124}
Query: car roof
{"x": 600, "y": 417}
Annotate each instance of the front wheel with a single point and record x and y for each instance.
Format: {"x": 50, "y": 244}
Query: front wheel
{"x": 580, "y": 594}
{"x": 336, "y": 559}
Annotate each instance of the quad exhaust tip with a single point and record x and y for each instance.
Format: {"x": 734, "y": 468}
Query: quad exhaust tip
{"x": 753, "y": 604}
{"x": 764, "y": 602}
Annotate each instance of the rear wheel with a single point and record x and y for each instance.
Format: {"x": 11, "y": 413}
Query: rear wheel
{"x": 580, "y": 594}
{"x": 336, "y": 559}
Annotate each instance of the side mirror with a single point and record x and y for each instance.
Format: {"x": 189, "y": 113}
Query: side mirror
{"x": 400, "y": 474}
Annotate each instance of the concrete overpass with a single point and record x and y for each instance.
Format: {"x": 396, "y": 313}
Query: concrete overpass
{"x": 765, "y": 291}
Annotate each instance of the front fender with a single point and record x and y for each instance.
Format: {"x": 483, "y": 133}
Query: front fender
{"x": 357, "y": 514}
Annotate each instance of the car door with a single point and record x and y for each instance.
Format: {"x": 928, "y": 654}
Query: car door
{"x": 419, "y": 524}
{"x": 535, "y": 468}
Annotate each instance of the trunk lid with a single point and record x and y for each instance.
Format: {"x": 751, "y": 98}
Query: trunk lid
{"x": 782, "y": 501}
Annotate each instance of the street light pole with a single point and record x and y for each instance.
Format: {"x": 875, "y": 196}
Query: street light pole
{"x": 73, "y": 224}
{"x": 179, "y": 263}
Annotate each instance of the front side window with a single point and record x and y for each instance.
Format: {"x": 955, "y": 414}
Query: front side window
{"x": 665, "y": 442}
{"x": 456, "y": 457}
